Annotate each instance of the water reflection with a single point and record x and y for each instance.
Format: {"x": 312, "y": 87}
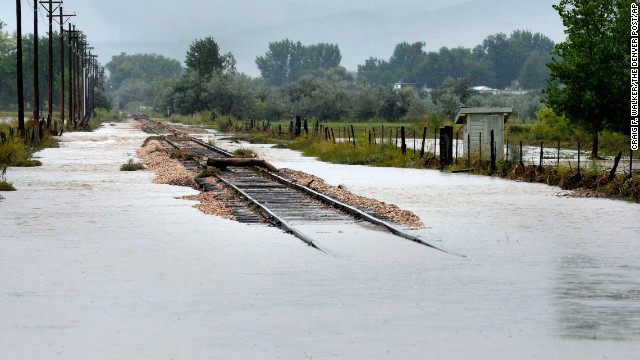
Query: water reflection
{"x": 596, "y": 299}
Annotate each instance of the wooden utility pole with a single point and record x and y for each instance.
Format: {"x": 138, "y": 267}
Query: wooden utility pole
{"x": 50, "y": 11}
{"x": 62, "y": 66}
{"x": 71, "y": 64}
{"x": 36, "y": 92}
{"x": 19, "y": 69}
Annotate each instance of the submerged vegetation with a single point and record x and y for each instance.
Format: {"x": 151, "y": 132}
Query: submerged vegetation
{"x": 131, "y": 166}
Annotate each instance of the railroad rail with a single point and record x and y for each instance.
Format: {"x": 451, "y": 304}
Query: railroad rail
{"x": 276, "y": 199}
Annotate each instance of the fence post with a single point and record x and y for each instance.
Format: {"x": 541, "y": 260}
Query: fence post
{"x": 480, "y": 144}
{"x": 457, "y": 140}
{"x": 558, "y": 160}
{"x": 403, "y": 144}
{"x": 612, "y": 173}
{"x": 521, "y": 163}
{"x": 382, "y": 136}
{"x": 578, "y": 157}
{"x": 374, "y": 136}
{"x": 354, "y": 136}
{"x": 424, "y": 138}
{"x": 435, "y": 142}
{"x": 541, "y": 155}
{"x": 493, "y": 152}
{"x": 468, "y": 149}
{"x": 333, "y": 135}
{"x": 298, "y": 126}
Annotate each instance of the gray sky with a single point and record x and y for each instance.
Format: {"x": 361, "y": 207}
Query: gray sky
{"x": 361, "y": 28}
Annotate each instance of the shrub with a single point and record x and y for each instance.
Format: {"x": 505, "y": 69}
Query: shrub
{"x": 244, "y": 153}
{"x": 131, "y": 166}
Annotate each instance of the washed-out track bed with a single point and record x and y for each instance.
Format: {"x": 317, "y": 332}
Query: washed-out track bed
{"x": 265, "y": 196}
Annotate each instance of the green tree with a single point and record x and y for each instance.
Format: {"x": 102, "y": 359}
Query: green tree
{"x": 7, "y": 67}
{"x": 286, "y": 61}
{"x": 203, "y": 58}
{"x": 590, "y": 72}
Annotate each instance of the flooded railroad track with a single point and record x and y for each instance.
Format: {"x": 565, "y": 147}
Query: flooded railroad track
{"x": 264, "y": 195}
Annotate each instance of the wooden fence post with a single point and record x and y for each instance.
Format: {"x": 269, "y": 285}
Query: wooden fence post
{"x": 374, "y": 136}
{"x": 424, "y": 139}
{"x": 354, "y": 136}
{"x": 578, "y": 157}
{"x": 457, "y": 140}
{"x": 558, "y": 159}
{"x": 612, "y": 173}
{"x": 468, "y": 149}
{"x": 403, "y": 144}
{"x": 480, "y": 144}
{"x": 493, "y": 152}
{"x": 435, "y": 142}
{"x": 521, "y": 163}
{"x": 541, "y": 155}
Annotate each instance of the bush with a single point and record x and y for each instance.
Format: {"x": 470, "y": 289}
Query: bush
{"x": 131, "y": 166}
{"x": 244, "y": 153}
{"x": 6, "y": 186}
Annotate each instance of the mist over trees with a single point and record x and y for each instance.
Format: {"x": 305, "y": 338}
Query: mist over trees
{"x": 496, "y": 63}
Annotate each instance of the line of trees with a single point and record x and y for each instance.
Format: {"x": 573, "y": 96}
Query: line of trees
{"x": 497, "y": 63}
{"x": 297, "y": 79}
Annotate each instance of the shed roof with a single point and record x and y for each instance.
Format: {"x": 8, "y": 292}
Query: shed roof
{"x": 461, "y": 118}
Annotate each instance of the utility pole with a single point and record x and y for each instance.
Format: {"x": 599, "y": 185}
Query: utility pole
{"x": 50, "y": 11}
{"x": 36, "y": 92}
{"x": 19, "y": 69}
{"x": 62, "y": 21}
{"x": 71, "y": 35}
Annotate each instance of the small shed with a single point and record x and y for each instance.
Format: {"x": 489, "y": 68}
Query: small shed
{"x": 479, "y": 121}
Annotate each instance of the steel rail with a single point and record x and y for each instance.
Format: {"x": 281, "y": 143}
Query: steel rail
{"x": 358, "y": 213}
{"x": 273, "y": 218}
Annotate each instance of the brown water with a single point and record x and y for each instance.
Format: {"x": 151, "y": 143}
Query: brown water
{"x": 98, "y": 263}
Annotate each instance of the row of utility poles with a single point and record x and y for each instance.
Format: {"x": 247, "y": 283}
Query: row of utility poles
{"x": 83, "y": 69}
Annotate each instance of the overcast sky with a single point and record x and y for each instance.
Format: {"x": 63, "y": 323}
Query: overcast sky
{"x": 361, "y": 28}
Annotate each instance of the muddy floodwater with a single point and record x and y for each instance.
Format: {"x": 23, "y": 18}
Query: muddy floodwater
{"x": 96, "y": 263}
